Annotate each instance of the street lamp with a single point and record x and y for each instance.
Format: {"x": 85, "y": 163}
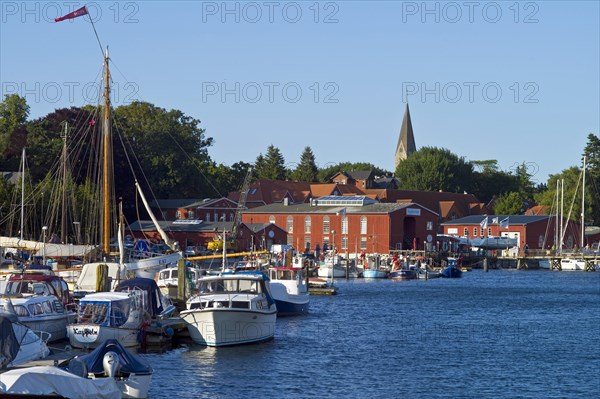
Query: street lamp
{"x": 44, "y": 228}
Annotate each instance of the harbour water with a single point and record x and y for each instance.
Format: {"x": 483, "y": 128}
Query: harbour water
{"x": 502, "y": 334}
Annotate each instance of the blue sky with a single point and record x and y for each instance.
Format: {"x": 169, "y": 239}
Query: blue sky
{"x": 512, "y": 81}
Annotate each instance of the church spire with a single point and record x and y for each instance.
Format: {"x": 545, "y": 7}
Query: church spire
{"x": 406, "y": 142}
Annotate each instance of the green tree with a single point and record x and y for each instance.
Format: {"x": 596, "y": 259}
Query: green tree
{"x": 13, "y": 115}
{"x": 592, "y": 154}
{"x": 307, "y": 169}
{"x": 570, "y": 191}
{"x": 433, "y": 169}
{"x": 325, "y": 174}
{"x": 509, "y": 204}
{"x": 271, "y": 166}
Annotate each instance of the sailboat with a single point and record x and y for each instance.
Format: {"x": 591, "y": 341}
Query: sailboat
{"x": 120, "y": 268}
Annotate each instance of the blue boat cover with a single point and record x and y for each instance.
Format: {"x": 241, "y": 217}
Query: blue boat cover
{"x": 9, "y": 346}
{"x": 129, "y": 363}
{"x": 148, "y": 285}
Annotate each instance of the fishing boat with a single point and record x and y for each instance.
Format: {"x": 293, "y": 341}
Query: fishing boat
{"x": 41, "y": 301}
{"x": 231, "y": 309}
{"x": 405, "y": 273}
{"x": 289, "y": 290}
{"x": 119, "y": 315}
{"x": 452, "y": 270}
{"x": 20, "y": 344}
{"x": 331, "y": 265}
{"x": 108, "y": 372}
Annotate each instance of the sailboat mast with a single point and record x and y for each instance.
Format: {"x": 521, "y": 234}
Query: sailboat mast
{"x": 106, "y": 140}
{"x": 583, "y": 207}
{"x": 23, "y": 193}
{"x": 63, "y": 220}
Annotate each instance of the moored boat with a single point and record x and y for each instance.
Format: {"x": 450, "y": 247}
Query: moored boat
{"x": 20, "y": 344}
{"x": 452, "y": 270}
{"x": 41, "y": 301}
{"x": 405, "y": 273}
{"x": 231, "y": 309}
{"x": 289, "y": 290}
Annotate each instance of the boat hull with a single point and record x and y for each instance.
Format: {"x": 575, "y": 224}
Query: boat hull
{"x": 92, "y": 335}
{"x": 55, "y": 325}
{"x": 451, "y": 272}
{"x": 225, "y": 327}
{"x": 325, "y": 272}
{"x": 292, "y": 306}
{"x": 369, "y": 273}
{"x": 404, "y": 274}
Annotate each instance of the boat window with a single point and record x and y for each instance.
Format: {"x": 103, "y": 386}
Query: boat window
{"x": 100, "y": 314}
{"x": 35, "y": 309}
{"x": 174, "y": 273}
{"x": 119, "y": 312}
{"x": 47, "y": 307}
{"x": 86, "y": 311}
{"x": 164, "y": 275}
{"x": 240, "y": 304}
{"x": 58, "y": 306}
{"x": 57, "y": 287}
{"x": 248, "y": 286}
{"x": 21, "y": 311}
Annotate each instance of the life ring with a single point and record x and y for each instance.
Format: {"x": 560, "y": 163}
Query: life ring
{"x": 445, "y": 246}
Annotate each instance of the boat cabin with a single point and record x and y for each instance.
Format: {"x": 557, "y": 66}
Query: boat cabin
{"x": 39, "y": 284}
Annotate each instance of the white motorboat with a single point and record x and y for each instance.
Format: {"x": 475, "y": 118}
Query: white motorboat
{"x": 40, "y": 301}
{"x": 231, "y": 309}
{"x": 108, "y": 372}
{"x": 20, "y": 344}
{"x": 572, "y": 264}
{"x": 331, "y": 265}
{"x": 117, "y": 315}
{"x": 289, "y": 290}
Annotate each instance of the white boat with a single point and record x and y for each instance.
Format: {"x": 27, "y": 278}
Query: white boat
{"x": 168, "y": 279}
{"x": 231, "y": 309}
{"x": 117, "y": 315}
{"x": 289, "y": 290}
{"x": 108, "y": 372}
{"x": 331, "y": 265}
{"x": 572, "y": 264}
{"x": 40, "y": 301}
{"x": 20, "y": 344}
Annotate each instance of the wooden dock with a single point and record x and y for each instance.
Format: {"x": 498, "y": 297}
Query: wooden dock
{"x": 322, "y": 290}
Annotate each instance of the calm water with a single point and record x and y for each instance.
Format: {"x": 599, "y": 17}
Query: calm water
{"x": 502, "y": 334}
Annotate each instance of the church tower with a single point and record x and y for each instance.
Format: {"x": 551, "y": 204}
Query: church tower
{"x": 406, "y": 142}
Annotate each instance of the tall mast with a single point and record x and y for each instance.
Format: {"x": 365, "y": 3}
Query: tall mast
{"x": 23, "y": 193}
{"x": 583, "y": 207}
{"x": 106, "y": 139}
{"x": 63, "y": 220}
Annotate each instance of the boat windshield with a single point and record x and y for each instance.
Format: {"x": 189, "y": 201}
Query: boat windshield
{"x": 113, "y": 314}
{"x": 229, "y": 286}
{"x": 27, "y": 287}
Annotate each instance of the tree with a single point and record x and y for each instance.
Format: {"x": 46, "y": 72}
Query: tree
{"x": 13, "y": 115}
{"x": 271, "y": 166}
{"x": 307, "y": 169}
{"x": 572, "y": 182}
{"x": 325, "y": 174}
{"x": 592, "y": 154}
{"x": 433, "y": 169}
{"x": 509, "y": 204}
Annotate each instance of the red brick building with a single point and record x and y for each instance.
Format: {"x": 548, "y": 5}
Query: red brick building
{"x": 353, "y": 223}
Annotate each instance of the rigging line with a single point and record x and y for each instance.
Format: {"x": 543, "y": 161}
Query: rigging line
{"x": 96, "y": 33}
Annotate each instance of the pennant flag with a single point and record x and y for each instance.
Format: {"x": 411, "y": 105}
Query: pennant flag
{"x": 483, "y": 223}
{"x": 504, "y": 223}
{"x": 495, "y": 220}
{"x": 74, "y": 14}
{"x": 342, "y": 212}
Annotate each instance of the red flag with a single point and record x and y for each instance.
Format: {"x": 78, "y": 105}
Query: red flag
{"x": 74, "y": 14}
